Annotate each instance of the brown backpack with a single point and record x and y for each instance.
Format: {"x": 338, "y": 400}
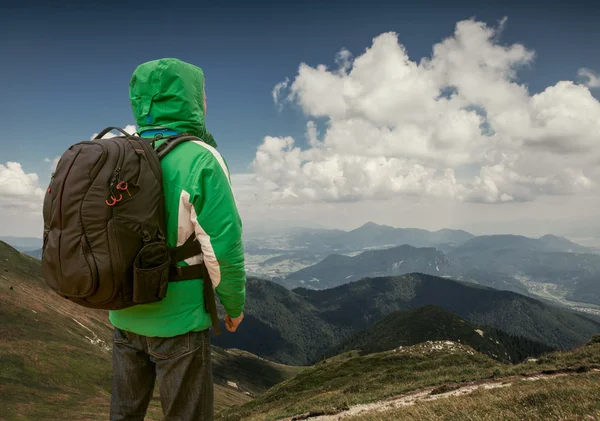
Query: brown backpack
{"x": 104, "y": 226}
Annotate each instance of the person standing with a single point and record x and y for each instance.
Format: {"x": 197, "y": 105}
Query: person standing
{"x": 168, "y": 342}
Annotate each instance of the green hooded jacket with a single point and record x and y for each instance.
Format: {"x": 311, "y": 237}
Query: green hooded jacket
{"x": 169, "y": 94}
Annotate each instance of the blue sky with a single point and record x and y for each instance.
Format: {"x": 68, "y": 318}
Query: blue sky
{"x": 65, "y": 73}
{"x": 66, "y": 69}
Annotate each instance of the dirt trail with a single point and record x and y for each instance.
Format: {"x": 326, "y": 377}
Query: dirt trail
{"x": 425, "y": 395}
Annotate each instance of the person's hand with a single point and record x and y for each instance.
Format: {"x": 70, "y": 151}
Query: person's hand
{"x": 231, "y": 324}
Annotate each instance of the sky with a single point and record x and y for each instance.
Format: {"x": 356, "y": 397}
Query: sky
{"x": 426, "y": 114}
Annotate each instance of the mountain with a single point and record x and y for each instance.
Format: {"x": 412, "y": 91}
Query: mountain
{"x": 586, "y": 290}
{"x": 433, "y": 323}
{"x": 338, "y": 269}
{"x": 280, "y": 325}
{"x": 371, "y": 235}
{"x": 275, "y": 255}
{"x": 435, "y": 381}
{"x": 298, "y": 327}
{"x": 23, "y": 243}
{"x": 555, "y": 243}
{"x": 501, "y": 261}
{"x": 55, "y": 356}
{"x": 508, "y": 262}
{"x": 537, "y": 260}
{"x": 36, "y": 254}
{"x": 547, "y": 243}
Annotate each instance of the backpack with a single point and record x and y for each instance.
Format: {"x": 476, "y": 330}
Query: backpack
{"x": 104, "y": 226}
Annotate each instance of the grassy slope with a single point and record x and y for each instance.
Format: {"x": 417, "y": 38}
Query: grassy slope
{"x": 348, "y": 380}
{"x": 569, "y": 398}
{"x": 55, "y": 357}
{"x": 405, "y": 328}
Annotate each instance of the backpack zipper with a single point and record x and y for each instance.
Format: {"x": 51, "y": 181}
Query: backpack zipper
{"x": 117, "y": 173}
{"x": 50, "y": 184}
{"x": 62, "y": 190}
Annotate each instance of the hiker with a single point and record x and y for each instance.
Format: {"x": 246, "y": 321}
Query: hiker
{"x": 169, "y": 341}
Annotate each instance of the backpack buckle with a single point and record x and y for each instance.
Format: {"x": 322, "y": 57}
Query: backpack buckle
{"x": 147, "y": 237}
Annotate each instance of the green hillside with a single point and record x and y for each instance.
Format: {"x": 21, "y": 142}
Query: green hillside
{"x": 433, "y": 323}
{"x": 419, "y": 373}
{"x": 55, "y": 357}
{"x": 298, "y": 327}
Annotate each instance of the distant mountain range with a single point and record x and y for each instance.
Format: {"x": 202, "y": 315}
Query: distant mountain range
{"x": 339, "y": 269}
{"x": 550, "y": 266}
{"x": 547, "y": 243}
{"x": 371, "y": 235}
{"x": 23, "y": 243}
{"x": 506, "y": 262}
{"x": 36, "y": 254}
{"x": 375, "y": 236}
{"x": 433, "y": 323}
{"x": 300, "y": 326}
{"x": 315, "y": 258}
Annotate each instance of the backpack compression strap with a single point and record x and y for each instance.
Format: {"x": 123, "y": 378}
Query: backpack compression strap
{"x": 181, "y": 273}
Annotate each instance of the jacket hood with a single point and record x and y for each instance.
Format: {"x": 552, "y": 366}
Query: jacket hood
{"x": 169, "y": 93}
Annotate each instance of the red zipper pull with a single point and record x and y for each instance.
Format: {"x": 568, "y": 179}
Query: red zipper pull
{"x": 123, "y": 186}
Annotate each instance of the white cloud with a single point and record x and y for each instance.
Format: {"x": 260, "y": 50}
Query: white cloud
{"x": 130, "y": 128}
{"x": 457, "y": 124}
{"x": 19, "y": 191}
{"x": 593, "y": 79}
{"x": 277, "y": 91}
{"x": 53, "y": 162}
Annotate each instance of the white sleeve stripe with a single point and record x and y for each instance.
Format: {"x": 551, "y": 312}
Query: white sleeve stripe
{"x": 185, "y": 227}
{"x": 210, "y": 259}
{"x": 217, "y": 156}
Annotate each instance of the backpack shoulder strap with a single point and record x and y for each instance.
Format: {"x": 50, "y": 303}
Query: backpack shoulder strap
{"x": 190, "y": 248}
{"x": 172, "y": 142}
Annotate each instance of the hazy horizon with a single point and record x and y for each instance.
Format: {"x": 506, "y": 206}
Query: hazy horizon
{"x": 257, "y": 228}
